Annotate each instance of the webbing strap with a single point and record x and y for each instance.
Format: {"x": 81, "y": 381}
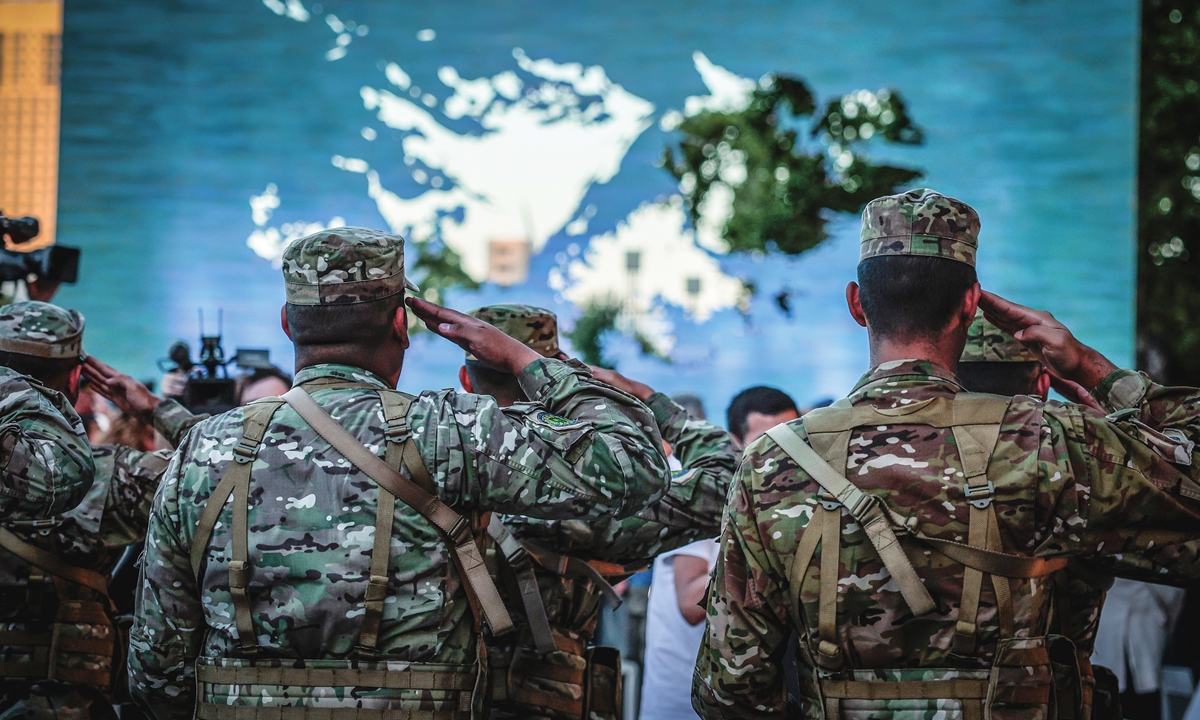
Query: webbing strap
{"x": 801, "y": 561}
{"x": 939, "y": 412}
{"x": 240, "y": 569}
{"x": 362, "y": 676}
{"x": 209, "y": 711}
{"x": 976, "y": 444}
{"x": 867, "y": 510}
{"x": 52, "y": 564}
{"x": 455, "y": 530}
{"x": 958, "y": 688}
{"x": 531, "y": 595}
{"x": 829, "y": 655}
{"x": 377, "y": 581}
{"x": 573, "y": 566}
{"x": 256, "y": 417}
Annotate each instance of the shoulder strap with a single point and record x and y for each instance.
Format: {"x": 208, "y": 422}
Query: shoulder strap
{"x": 256, "y": 417}
{"x": 453, "y": 527}
{"x": 867, "y": 510}
{"x": 996, "y": 563}
{"x": 531, "y": 594}
{"x": 51, "y": 563}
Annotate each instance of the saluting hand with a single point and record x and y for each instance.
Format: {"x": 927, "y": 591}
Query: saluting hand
{"x": 1049, "y": 340}
{"x": 487, "y": 343}
{"x": 123, "y": 391}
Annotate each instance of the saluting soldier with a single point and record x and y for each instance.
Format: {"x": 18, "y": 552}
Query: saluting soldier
{"x": 563, "y": 570}
{"x": 59, "y": 644}
{"x": 315, "y": 555}
{"x": 46, "y": 464}
{"x": 908, "y": 534}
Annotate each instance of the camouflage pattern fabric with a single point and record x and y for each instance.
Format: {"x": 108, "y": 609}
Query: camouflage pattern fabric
{"x": 536, "y": 327}
{"x": 41, "y": 330}
{"x": 988, "y": 343}
{"x": 920, "y": 222}
{"x": 1117, "y": 492}
{"x": 112, "y": 516}
{"x": 581, "y": 449}
{"x": 46, "y": 465}
{"x": 344, "y": 265}
{"x": 691, "y": 510}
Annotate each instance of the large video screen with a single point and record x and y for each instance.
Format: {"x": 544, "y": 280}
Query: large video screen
{"x": 520, "y": 148}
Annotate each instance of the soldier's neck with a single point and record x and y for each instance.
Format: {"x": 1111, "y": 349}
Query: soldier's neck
{"x": 943, "y": 351}
{"x": 383, "y": 365}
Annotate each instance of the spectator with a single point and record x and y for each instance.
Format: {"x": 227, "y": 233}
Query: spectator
{"x": 263, "y": 382}
{"x": 756, "y": 410}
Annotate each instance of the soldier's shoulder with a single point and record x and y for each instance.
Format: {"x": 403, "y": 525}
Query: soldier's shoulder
{"x": 770, "y": 464}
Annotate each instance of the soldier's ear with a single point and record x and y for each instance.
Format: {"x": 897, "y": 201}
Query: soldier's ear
{"x": 852, "y": 302}
{"x": 1043, "y": 382}
{"x": 966, "y": 312}
{"x": 400, "y": 325}
{"x": 283, "y": 323}
{"x": 464, "y": 379}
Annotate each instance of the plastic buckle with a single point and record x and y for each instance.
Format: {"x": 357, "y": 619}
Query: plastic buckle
{"x": 244, "y": 452}
{"x": 980, "y": 496}
{"x": 397, "y": 430}
{"x": 861, "y": 506}
{"x": 461, "y": 531}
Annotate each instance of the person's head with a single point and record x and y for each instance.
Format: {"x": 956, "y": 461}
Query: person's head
{"x": 263, "y": 382}
{"x": 44, "y": 342}
{"x": 994, "y": 362}
{"x": 692, "y": 403}
{"x": 916, "y": 273}
{"x": 536, "y": 327}
{"x": 345, "y": 299}
{"x": 756, "y": 410}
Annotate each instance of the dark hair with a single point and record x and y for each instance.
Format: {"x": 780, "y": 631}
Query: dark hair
{"x": 366, "y": 324}
{"x": 910, "y": 296}
{"x": 1000, "y": 378}
{"x": 48, "y": 371}
{"x": 498, "y": 384}
{"x": 760, "y": 399}
{"x": 258, "y": 374}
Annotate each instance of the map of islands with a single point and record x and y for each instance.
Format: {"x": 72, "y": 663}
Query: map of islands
{"x": 544, "y": 133}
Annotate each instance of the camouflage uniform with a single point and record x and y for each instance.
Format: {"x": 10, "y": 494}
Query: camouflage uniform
{"x": 552, "y": 685}
{"x": 1061, "y": 481}
{"x": 1079, "y": 590}
{"x": 45, "y": 464}
{"x": 94, "y": 535}
{"x": 583, "y": 450}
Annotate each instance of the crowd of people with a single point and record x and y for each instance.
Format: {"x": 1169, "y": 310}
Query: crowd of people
{"x": 938, "y": 543}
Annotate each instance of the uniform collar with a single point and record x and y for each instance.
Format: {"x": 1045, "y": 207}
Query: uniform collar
{"x": 340, "y": 372}
{"x": 909, "y": 373}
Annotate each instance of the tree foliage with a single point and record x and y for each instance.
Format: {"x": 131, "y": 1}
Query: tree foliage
{"x": 1168, "y": 312}
{"x": 786, "y": 168}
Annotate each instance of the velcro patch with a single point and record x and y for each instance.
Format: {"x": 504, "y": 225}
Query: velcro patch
{"x": 555, "y": 422}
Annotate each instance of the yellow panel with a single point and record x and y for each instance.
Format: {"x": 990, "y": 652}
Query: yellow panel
{"x": 30, "y": 64}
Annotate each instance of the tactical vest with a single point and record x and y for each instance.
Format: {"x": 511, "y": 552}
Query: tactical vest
{"x": 69, "y": 634}
{"x": 1020, "y": 681}
{"x": 253, "y": 687}
{"x": 548, "y": 669}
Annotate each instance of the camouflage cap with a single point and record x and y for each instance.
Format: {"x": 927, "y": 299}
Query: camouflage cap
{"x": 41, "y": 330}
{"x": 344, "y": 265}
{"x": 534, "y": 326}
{"x": 920, "y": 222}
{"x": 988, "y": 343}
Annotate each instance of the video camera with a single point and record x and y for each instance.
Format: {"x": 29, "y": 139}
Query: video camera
{"x": 57, "y": 263}
{"x": 208, "y": 388}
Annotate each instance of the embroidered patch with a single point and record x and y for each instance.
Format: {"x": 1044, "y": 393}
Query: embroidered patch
{"x": 683, "y": 477}
{"x": 555, "y": 422}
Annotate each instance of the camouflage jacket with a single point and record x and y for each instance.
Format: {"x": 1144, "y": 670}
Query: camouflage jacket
{"x": 1100, "y": 489}
{"x": 690, "y": 510}
{"x": 93, "y": 535}
{"x": 581, "y": 449}
{"x": 46, "y": 465}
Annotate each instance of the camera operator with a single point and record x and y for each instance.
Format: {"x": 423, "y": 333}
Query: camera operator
{"x": 32, "y": 274}
{"x": 59, "y": 636}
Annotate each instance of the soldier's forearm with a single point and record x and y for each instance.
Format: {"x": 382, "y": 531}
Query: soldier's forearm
{"x": 172, "y": 420}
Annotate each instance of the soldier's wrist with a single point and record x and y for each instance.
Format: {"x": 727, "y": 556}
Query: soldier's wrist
{"x": 1121, "y": 389}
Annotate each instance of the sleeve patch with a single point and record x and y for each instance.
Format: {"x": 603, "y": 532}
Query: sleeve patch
{"x": 555, "y": 422}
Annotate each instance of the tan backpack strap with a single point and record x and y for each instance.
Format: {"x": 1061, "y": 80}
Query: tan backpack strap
{"x": 454, "y": 528}
{"x": 801, "y": 562}
{"x": 240, "y": 569}
{"x": 256, "y": 417}
{"x": 829, "y": 655}
{"x": 976, "y": 444}
{"x": 52, "y": 564}
{"x": 869, "y": 513}
{"x": 377, "y": 581}
{"x": 531, "y": 595}
{"x": 597, "y": 572}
